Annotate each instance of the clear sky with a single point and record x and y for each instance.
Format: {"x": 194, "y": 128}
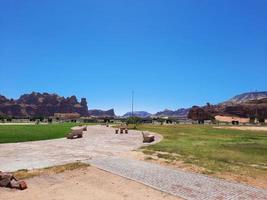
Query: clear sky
{"x": 172, "y": 53}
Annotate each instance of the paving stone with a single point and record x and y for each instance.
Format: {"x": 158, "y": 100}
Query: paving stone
{"x": 177, "y": 182}
{"x": 96, "y": 141}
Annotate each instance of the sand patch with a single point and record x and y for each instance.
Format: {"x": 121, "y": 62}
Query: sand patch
{"x": 84, "y": 184}
{"x": 244, "y": 128}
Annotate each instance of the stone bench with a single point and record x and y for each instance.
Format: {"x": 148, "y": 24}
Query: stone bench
{"x": 147, "y": 137}
{"x": 76, "y": 133}
{"x": 125, "y": 129}
{"x": 80, "y": 126}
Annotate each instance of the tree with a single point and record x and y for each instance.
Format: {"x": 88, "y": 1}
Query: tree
{"x": 133, "y": 120}
{"x": 160, "y": 120}
{"x": 252, "y": 119}
{"x": 2, "y": 118}
{"x": 50, "y": 120}
{"x": 261, "y": 120}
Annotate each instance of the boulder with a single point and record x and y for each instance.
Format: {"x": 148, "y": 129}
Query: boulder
{"x": 8, "y": 180}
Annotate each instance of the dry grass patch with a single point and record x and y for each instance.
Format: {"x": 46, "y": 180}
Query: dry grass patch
{"x": 24, "y": 173}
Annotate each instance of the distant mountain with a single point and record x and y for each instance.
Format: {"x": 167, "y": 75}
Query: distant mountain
{"x": 142, "y": 114}
{"x": 245, "y": 97}
{"x": 180, "y": 113}
{"x": 248, "y": 105}
{"x": 42, "y": 104}
{"x": 101, "y": 113}
{"x": 183, "y": 112}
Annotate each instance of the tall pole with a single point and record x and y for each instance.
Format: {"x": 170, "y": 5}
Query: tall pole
{"x": 257, "y": 117}
{"x": 132, "y": 103}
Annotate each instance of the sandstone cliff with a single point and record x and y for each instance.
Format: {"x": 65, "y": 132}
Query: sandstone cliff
{"x": 41, "y": 104}
{"x": 245, "y": 105}
{"x": 101, "y": 113}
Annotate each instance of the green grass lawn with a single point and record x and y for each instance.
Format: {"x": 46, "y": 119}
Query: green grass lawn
{"x": 23, "y": 133}
{"x": 216, "y": 150}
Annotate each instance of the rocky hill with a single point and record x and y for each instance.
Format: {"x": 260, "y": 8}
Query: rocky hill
{"x": 245, "y": 97}
{"x": 42, "y": 104}
{"x": 142, "y": 114}
{"x": 180, "y": 113}
{"x": 101, "y": 113}
{"x": 247, "y": 105}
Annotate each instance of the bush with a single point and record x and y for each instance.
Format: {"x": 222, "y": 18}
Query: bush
{"x": 9, "y": 119}
{"x": 252, "y": 120}
{"x": 133, "y": 120}
{"x": 261, "y": 119}
{"x": 2, "y": 118}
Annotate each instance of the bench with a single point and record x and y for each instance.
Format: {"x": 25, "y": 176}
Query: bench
{"x": 121, "y": 129}
{"x": 75, "y": 133}
{"x": 125, "y": 129}
{"x": 147, "y": 137}
{"x": 85, "y": 128}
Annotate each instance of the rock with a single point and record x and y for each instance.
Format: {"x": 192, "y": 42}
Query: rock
{"x": 246, "y": 97}
{"x": 101, "y": 113}
{"x": 200, "y": 114}
{"x": 249, "y": 109}
{"x": 3, "y": 99}
{"x": 5, "y": 179}
{"x": 45, "y": 105}
{"x": 142, "y": 114}
{"x": 22, "y": 185}
{"x": 180, "y": 113}
{"x": 8, "y": 180}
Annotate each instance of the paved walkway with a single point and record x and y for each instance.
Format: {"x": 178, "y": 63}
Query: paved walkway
{"x": 177, "y": 182}
{"x": 97, "y": 141}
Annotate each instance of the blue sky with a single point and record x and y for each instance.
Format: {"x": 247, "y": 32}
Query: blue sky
{"x": 173, "y": 54}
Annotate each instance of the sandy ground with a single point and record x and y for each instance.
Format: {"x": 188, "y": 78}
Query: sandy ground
{"x": 245, "y": 128}
{"x": 230, "y": 119}
{"x": 84, "y": 184}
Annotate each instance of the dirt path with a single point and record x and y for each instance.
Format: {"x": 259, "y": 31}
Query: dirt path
{"x": 85, "y": 184}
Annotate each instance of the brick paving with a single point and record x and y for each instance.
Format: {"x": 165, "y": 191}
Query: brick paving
{"x": 177, "y": 182}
